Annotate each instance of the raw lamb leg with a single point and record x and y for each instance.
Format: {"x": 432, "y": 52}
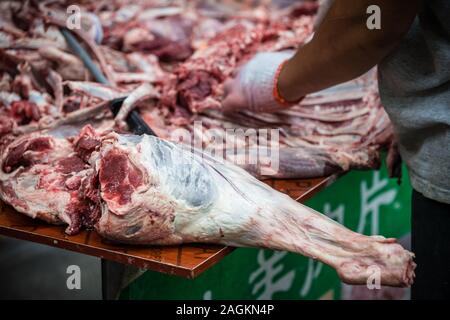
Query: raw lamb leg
{"x": 156, "y": 192}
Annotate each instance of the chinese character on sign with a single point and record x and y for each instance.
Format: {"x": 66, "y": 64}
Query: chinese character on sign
{"x": 336, "y": 214}
{"x": 263, "y": 277}
{"x": 313, "y": 272}
{"x": 371, "y": 203}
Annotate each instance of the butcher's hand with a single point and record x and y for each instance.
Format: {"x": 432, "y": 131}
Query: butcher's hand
{"x": 255, "y": 88}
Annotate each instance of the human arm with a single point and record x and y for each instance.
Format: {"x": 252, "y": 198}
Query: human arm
{"x": 342, "y": 48}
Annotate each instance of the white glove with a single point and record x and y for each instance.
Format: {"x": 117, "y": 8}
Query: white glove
{"x": 253, "y": 88}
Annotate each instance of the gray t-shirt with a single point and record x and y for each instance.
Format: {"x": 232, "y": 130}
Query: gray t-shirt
{"x": 414, "y": 82}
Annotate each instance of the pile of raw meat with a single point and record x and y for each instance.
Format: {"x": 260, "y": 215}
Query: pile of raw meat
{"x": 172, "y": 60}
{"x": 65, "y": 159}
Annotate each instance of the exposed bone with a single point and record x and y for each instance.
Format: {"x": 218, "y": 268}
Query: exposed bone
{"x": 53, "y": 18}
{"x": 143, "y": 92}
{"x": 69, "y": 66}
{"x": 55, "y": 81}
{"x": 95, "y": 89}
{"x": 78, "y": 116}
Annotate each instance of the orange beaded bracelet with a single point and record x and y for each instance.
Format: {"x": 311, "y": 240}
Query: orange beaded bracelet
{"x": 276, "y": 93}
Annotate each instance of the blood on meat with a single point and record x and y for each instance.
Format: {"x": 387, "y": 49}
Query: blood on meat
{"x": 25, "y": 112}
{"x": 197, "y": 86}
{"x": 17, "y": 155}
{"x": 118, "y": 177}
{"x": 71, "y": 164}
{"x": 86, "y": 143}
{"x": 6, "y": 125}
